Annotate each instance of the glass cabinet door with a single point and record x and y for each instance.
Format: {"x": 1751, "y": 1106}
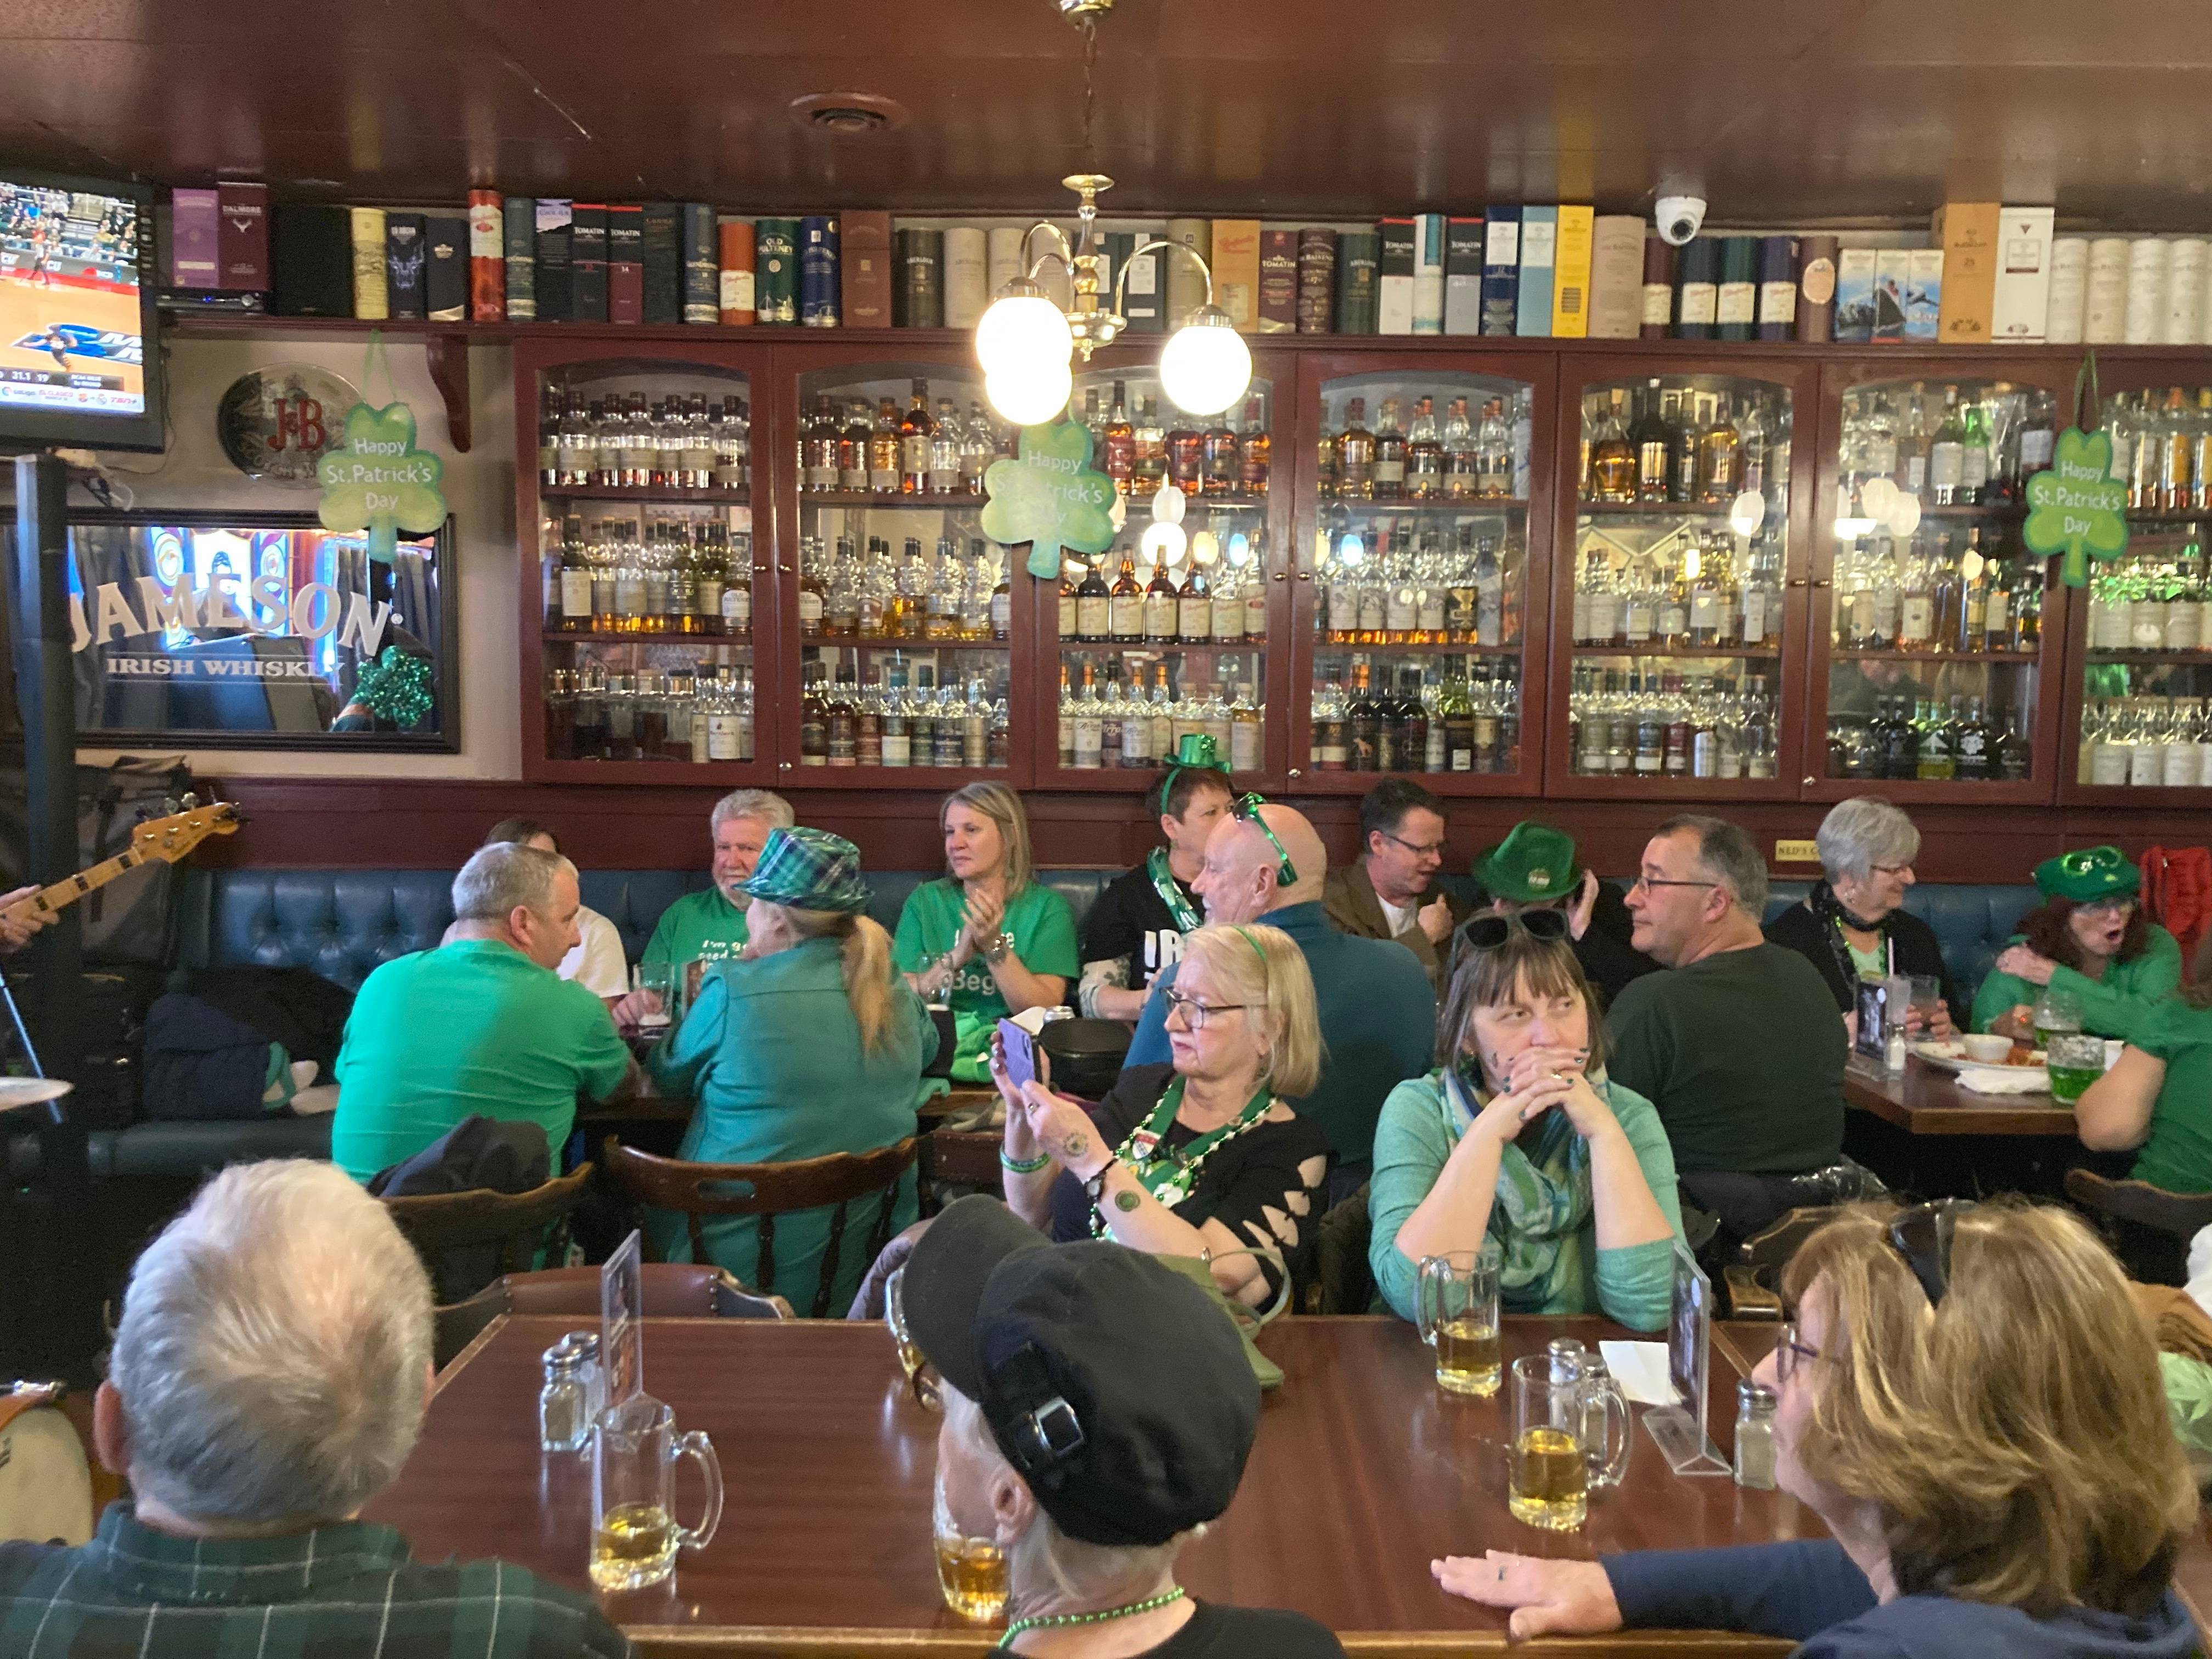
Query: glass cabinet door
{"x": 1677, "y": 603}
{"x": 1934, "y": 633}
{"x": 1424, "y": 593}
{"x": 2143, "y": 726}
{"x": 1164, "y": 635}
{"x": 641, "y": 500}
{"x": 903, "y": 616}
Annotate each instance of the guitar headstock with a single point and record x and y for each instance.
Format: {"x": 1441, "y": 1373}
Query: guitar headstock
{"x": 173, "y": 837}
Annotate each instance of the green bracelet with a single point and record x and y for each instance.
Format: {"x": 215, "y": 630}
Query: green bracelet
{"x": 1023, "y": 1166}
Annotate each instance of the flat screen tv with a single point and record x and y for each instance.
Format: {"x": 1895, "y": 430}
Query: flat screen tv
{"x": 79, "y": 365}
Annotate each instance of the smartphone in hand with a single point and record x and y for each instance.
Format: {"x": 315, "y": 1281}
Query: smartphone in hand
{"x": 1020, "y": 1050}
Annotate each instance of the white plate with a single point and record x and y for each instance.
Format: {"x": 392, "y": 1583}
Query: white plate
{"x": 1952, "y": 1057}
{"x": 30, "y": 1090}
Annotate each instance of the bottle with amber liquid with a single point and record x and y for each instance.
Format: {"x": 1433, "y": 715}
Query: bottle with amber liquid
{"x": 916, "y": 431}
{"x": 1390, "y": 470}
{"x": 1160, "y": 606}
{"x": 1612, "y": 458}
{"x": 1149, "y": 449}
{"x": 1355, "y": 454}
{"x": 1222, "y": 457}
{"x": 1253, "y": 447}
{"x": 1120, "y": 460}
{"x": 813, "y": 719}
{"x": 818, "y": 448}
{"x": 1648, "y": 437}
{"x": 1720, "y": 453}
{"x": 1425, "y": 454}
{"x": 1327, "y": 481}
{"x": 852, "y": 449}
{"x": 1186, "y": 448}
{"x": 1093, "y": 607}
{"x": 1363, "y": 725}
{"x": 1126, "y": 611}
{"x": 1194, "y": 606}
{"x": 884, "y": 450}
{"x": 842, "y": 720}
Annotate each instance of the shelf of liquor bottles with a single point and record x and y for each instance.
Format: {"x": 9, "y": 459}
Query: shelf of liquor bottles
{"x": 1419, "y": 488}
{"x": 1676, "y": 594}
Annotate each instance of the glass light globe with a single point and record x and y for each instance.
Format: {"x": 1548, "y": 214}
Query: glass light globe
{"x": 1031, "y": 395}
{"x": 1240, "y": 549}
{"x": 1746, "y": 512}
{"x": 1205, "y": 365}
{"x": 1021, "y": 327}
{"x": 1350, "y": 550}
{"x": 1205, "y": 547}
{"x": 1168, "y": 504}
{"x": 1878, "y": 496}
{"x": 1905, "y": 517}
{"x": 1164, "y": 543}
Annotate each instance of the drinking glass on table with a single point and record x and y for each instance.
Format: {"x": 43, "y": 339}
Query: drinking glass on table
{"x": 971, "y": 1572}
{"x": 659, "y": 979}
{"x": 635, "y": 1535}
{"x": 2074, "y": 1062}
{"x": 1546, "y": 1469}
{"x": 918, "y": 1377}
{"x": 1927, "y": 994}
{"x": 2055, "y": 1009}
{"x": 1456, "y": 1301}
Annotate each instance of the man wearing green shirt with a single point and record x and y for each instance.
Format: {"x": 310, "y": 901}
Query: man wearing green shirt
{"x": 480, "y": 1025}
{"x": 709, "y": 926}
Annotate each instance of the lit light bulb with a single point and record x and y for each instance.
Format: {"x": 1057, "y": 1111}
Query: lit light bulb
{"x": 1035, "y": 393}
{"x": 1168, "y": 504}
{"x": 1878, "y": 496}
{"x": 1905, "y": 517}
{"x": 1746, "y": 512}
{"x": 1021, "y": 327}
{"x": 1350, "y": 550}
{"x": 1205, "y": 547}
{"x": 1240, "y": 550}
{"x": 1205, "y": 365}
{"x": 1163, "y": 542}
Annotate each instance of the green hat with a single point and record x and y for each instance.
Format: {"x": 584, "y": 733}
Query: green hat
{"x": 1534, "y": 865}
{"x": 2093, "y": 873}
{"x": 809, "y": 870}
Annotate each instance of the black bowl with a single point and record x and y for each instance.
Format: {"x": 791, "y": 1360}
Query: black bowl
{"x": 1087, "y": 1055}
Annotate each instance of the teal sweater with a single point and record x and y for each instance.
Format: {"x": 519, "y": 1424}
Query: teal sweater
{"x": 1414, "y": 1138}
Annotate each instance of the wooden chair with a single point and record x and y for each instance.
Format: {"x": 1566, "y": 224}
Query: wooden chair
{"x": 2148, "y": 1227}
{"x": 769, "y": 1190}
{"x": 672, "y": 1290}
{"x": 960, "y": 1158}
{"x": 505, "y": 1228}
{"x": 1752, "y": 1281}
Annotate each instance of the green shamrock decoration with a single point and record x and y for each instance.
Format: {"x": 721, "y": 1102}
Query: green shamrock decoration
{"x": 2077, "y": 507}
{"x": 396, "y": 687}
{"x": 379, "y": 482}
{"x": 1049, "y": 497}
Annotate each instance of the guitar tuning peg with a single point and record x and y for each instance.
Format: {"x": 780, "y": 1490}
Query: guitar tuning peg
{"x": 190, "y": 801}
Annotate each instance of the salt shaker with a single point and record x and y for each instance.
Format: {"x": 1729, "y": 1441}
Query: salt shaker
{"x": 564, "y": 1414}
{"x": 1754, "y": 1436}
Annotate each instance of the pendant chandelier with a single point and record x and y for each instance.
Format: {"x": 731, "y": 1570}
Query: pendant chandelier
{"x": 1025, "y": 343}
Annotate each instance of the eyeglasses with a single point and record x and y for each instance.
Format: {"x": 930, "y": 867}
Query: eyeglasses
{"x": 1660, "y": 881}
{"x": 2121, "y": 905}
{"x": 1922, "y": 1235}
{"x": 1891, "y": 869}
{"x": 1487, "y": 932}
{"x": 1788, "y": 1352}
{"x": 1196, "y": 1014}
{"x": 1247, "y": 808}
{"x": 1418, "y": 850}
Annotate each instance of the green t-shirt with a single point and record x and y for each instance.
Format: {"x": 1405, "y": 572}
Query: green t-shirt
{"x": 2178, "y": 1153}
{"x": 2111, "y": 1007}
{"x": 473, "y": 1026}
{"x": 701, "y": 926}
{"x": 1742, "y": 1053}
{"x": 1044, "y": 938}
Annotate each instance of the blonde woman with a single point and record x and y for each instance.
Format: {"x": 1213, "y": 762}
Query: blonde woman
{"x": 808, "y": 1045}
{"x": 1972, "y": 1403}
{"x": 987, "y": 938}
{"x": 1199, "y": 1156}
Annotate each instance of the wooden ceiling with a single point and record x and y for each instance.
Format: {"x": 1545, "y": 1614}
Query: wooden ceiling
{"x": 1792, "y": 112}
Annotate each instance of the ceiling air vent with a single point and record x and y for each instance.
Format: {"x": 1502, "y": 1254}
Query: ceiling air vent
{"x": 847, "y": 113}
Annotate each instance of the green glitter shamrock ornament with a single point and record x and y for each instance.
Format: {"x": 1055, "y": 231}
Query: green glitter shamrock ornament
{"x": 1049, "y": 497}
{"x": 396, "y": 687}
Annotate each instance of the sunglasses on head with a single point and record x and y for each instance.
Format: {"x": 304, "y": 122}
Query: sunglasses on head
{"x": 1487, "y": 932}
{"x": 1246, "y": 808}
{"x": 1921, "y": 1236}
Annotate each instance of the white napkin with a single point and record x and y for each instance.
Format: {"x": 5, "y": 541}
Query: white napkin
{"x": 1640, "y": 1368}
{"x": 2004, "y": 1080}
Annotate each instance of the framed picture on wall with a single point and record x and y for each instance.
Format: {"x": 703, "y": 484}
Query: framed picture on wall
{"x": 261, "y": 630}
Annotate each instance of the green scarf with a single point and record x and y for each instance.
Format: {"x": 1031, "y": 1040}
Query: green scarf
{"x": 1543, "y": 1193}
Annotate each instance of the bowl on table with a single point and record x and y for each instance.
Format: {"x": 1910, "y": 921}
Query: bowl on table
{"x": 1988, "y": 1047}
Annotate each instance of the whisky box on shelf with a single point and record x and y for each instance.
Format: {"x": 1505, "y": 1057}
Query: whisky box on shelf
{"x": 1235, "y": 261}
{"x": 1278, "y": 281}
{"x": 1143, "y": 296}
{"x": 1816, "y": 287}
{"x": 1428, "y": 273}
{"x": 1394, "y": 290}
{"x": 1359, "y": 275}
{"x": 1966, "y": 235}
{"x": 735, "y": 284}
{"x": 1464, "y": 276}
{"x": 1316, "y": 279}
{"x": 1854, "y": 323}
{"x": 2069, "y": 290}
{"x": 1570, "y": 273}
{"x": 664, "y": 263}
{"x": 1735, "y": 298}
{"x": 242, "y": 237}
{"x": 1186, "y": 283}
{"x": 1501, "y": 268}
{"x": 195, "y": 239}
{"x": 917, "y": 271}
{"x": 702, "y": 270}
{"x": 2105, "y": 315}
{"x": 1923, "y": 292}
{"x": 403, "y": 257}
{"x": 518, "y": 237}
{"x": 311, "y": 261}
{"x": 818, "y": 280}
{"x": 487, "y": 258}
{"x": 1778, "y": 286}
{"x": 967, "y": 276}
{"x": 1539, "y": 247}
{"x": 587, "y": 263}
{"x": 1005, "y": 244}
{"x": 625, "y": 261}
{"x": 776, "y": 265}
{"x": 865, "y": 264}
{"x": 1616, "y": 297}
{"x": 445, "y": 268}
{"x": 371, "y": 292}
{"x": 1698, "y": 288}
{"x": 2020, "y": 308}
{"x": 1892, "y": 272}
{"x": 1657, "y": 315}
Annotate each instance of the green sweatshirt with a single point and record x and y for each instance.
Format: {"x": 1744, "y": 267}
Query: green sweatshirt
{"x": 2111, "y": 1007}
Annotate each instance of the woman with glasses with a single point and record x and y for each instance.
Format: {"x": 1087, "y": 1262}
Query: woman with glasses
{"x": 2090, "y": 937}
{"x": 988, "y": 940}
{"x": 1199, "y": 1156}
{"x": 1518, "y": 1138}
{"x": 1971, "y": 1402}
{"x": 1853, "y": 924}
{"x": 2159, "y": 1097}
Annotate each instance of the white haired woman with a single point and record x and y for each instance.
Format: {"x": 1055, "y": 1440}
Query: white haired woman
{"x": 1853, "y": 924}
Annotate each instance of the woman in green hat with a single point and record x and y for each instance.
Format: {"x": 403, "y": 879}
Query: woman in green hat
{"x": 2090, "y": 937}
{"x": 807, "y": 1044}
{"x": 1534, "y": 867}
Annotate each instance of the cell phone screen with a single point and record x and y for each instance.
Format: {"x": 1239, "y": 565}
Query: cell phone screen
{"x": 1021, "y": 1052}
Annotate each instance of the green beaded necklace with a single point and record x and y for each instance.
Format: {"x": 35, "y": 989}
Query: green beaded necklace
{"x": 1060, "y": 1620}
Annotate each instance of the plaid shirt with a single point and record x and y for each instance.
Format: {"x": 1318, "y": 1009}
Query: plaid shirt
{"x": 349, "y": 1589}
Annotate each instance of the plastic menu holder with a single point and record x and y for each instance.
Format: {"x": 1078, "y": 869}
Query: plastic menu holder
{"x": 1678, "y": 1429}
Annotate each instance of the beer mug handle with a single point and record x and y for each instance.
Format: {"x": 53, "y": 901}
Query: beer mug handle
{"x": 695, "y": 1446}
{"x": 1425, "y": 1297}
{"x": 1606, "y": 1400}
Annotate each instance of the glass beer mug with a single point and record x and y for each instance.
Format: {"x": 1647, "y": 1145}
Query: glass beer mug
{"x": 1456, "y": 1300}
{"x": 634, "y": 1536}
{"x": 1566, "y": 1439}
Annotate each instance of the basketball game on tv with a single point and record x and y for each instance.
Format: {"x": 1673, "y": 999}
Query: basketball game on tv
{"x": 72, "y": 339}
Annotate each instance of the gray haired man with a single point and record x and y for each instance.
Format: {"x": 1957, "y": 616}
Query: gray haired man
{"x": 270, "y": 1377}
{"x": 482, "y": 1024}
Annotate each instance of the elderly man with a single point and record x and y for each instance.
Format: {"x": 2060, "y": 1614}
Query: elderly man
{"x": 1738, "y": 1045}
{"x": 1391, "y": 892}
{"x": 482, "y": 1024}
{"x": 1378, "y": 1015}
{"x": 709, "y": 926}
{"x": 269, "y": 1378}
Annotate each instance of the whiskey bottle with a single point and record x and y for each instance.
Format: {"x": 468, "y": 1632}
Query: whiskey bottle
{"x": 1089, "y": 735}
{"x": 944, "y": 451}
{"x": 1693, "y": 415}
{"x": 1194, "y": 606}
{"x": 1648, "y": 438}
{"x": 2015, "y": 758}
{"x": 1094, "y": 606}
{"x": 1002, "y": 603}
{"x": 1148, "y": 463}
{"x": 1973, "y": 763}
{"x": 1916, "y": 611}
{"x": 978, "y": 449}
{"x": 1222, "y": 458}
{"x": 1611, "y": 474}
{"x": 1493, "y": 453}
{"x": 884, "y": 450}
{"x": 1118, "y": 461}
{"x": 842, "y": 718}
{"x": 1160, "y": 606}
{"x": 898, "y": 724}
{"x": 1185, "y": 453}
{"x": 1719, "y": 452}
{"x": 1355, "y": 454}
{"x": 1948, "y": 590}
{"x": 1255, "y": 446}
{"x": 1947, "y": 455}
{"x": 575, "y": 581}
{"x": 947, "y": 591}
{"x": 1389, "y": 467}
{"x": 1126, "y": 617}
{"x": 813, "y": 718}
{"x": 912, "y": 616}
{"x": 1459, "y": 456}
{"x": 818, "y": 448}
{"x": 1328, "y": 736}
{"x": 1425, "y": 455}
{"x": 852, "y": 449}
{"x": 813, "y": 599}
{"x": 916, "y": 431}
{"x": 1363, "y": 724}
{"x": 1938, "y": 760}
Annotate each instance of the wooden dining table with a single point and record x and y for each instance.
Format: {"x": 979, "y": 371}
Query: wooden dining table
{"x": 1363, "y": 1471}
{"x": 1927, "y": 1100}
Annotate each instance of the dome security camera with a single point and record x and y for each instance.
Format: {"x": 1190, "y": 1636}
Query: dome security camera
{"x": 1679, "y": 217}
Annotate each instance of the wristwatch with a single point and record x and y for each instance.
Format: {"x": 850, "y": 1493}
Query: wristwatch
{"x": 995, "y": 951}
{"x": 1094, "y": 1188}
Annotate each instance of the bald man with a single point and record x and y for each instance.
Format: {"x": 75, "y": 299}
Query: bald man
{"x": 1378, "y": 1016}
